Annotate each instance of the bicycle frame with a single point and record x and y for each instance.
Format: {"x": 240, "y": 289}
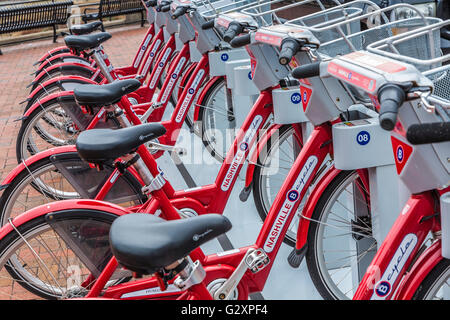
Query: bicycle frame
{"x": 270, "y": 237}
{"x": 388, "y": 276}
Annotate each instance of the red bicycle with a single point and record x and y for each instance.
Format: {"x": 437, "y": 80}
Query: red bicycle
{"x": 413, "y": 261}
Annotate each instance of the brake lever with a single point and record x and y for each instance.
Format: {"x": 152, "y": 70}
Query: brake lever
{"x": 423, "y": 98}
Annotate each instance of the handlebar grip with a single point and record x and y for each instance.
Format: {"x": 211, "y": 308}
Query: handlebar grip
{"x": 151, "y": 3}
{"x": 161, "y": 5}
{"x": 445, "y": 33}
{"x": 241, "y": 41}
{"x": 165, "y": 8}
{"x": 208, "y": 25}
{"x": 391, "y": 98}
{"x": 289, "y": 47}
{"x": 179, "y": 12}
{"x": 234, "y": 29}
{"x": 428, "y": 133}
{"x": 307, "y": 71}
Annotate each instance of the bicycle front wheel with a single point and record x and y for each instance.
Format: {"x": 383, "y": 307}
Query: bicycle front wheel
{"x": 340, "y": 241}
{"x": 436, "y": 285}
{"x": 219, "y": 120}
{"x": 271, "y": 171}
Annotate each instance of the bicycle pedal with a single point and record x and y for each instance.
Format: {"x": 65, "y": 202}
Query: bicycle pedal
{"x": 257, "y": 260}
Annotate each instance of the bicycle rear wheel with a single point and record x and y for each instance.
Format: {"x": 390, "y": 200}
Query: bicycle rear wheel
{"x": 63, "y": 59}
{"x": 68, "y": 70}
{"x": 54, "y": 87}
{"x": 41, "y": 259}
{"x": 53, "y": 124}
{"x": 64, "y": 176}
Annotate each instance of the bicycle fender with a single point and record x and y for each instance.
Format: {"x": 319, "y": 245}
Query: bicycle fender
{"x": 35, "y": 158}
{"x": 60, "y": 80}
{"x": 421, "y": 268}
{"x": 51, "y": 53}
{"x": 63, "y": 207}
{"x": 311, "y": 202}
{"x": 49, "y": 61}
{"x": 56, "y": 95}
{"x": 62, "y": 66}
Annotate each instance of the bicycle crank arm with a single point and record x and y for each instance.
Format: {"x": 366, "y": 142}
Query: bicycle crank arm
{"x": 255, "y": 260}
{"x": 157, "y": 146}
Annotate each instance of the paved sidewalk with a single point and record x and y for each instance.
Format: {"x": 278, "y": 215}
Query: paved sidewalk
{"x": 16, "y": 66}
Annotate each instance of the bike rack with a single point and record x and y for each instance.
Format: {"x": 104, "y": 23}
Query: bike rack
{"x": 339, "y": 25}
{"x": 424, "y": 65}
{"x": 243, "y": 83}
{"x": 432, "y": 159}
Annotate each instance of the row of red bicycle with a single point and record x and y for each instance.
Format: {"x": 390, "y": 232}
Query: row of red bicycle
{"x": 341, "y": 113}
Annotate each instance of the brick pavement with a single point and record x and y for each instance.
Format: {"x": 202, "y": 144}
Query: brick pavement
{"x": 16, "y": 66}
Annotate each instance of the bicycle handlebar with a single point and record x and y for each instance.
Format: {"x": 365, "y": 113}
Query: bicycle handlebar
{"x": 165, "y": 8}
{"x": 445, "y": 33}
{"x": 179, "y": 12}
{"x": 428, "y": 133}
{"x": 234, "y": 29}
{"x": 163, "y": 4}
{"x": 307, "y": 71}
{"x": 208, "y": 25}
{"x": 241, "y": 41}
{"x": 391, "y": 97}
{"x": 151, "y": 3}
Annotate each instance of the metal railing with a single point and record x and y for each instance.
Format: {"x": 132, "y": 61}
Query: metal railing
{"x": 16, "y": 16}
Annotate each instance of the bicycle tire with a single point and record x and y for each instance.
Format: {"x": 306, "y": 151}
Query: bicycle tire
{"x": 33, "y": 178}
{"x": 440, "y": 273}
{"x": 26, "y": 146}
{"x": 203, "y": 105}
{"x": 320, "y": 276}
{"x": 37, "y": 230}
